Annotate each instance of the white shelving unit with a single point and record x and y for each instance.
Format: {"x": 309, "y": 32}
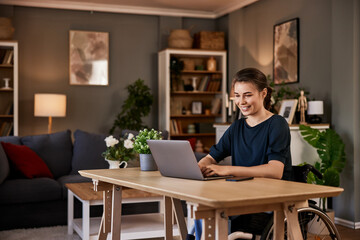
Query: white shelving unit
{"x": 9, "y": 96}
{"x": 171, "y": 99}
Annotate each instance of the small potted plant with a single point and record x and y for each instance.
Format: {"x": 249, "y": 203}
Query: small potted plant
{"x": 119, "y": 152}
{"x": 147, "y": 162}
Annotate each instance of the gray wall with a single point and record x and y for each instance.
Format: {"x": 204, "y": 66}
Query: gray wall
{"x": 329, "y": 67}
{"x": 43, "y": 37}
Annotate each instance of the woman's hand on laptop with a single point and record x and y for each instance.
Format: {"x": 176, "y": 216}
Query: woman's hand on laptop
{"x": 216, "y": 170}
{"x": 204, "y": 162}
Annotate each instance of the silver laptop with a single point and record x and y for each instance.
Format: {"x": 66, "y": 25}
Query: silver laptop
{"x": 175, "y": 158}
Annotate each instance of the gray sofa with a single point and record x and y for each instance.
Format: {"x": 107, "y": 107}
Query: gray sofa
{"x": 42, "y": 201}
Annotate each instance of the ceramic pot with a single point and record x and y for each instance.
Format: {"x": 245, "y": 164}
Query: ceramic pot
{"x": 113, "y": 164}
{"x": 147, "y": 162}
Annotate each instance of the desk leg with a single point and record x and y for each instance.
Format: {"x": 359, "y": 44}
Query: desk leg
{"x": 168, "y": 224}
{"x": 293, "y": 226}
{"x": 116, "y": 213}
{"x": 221, "y": 224}
{"x": 70, "y": 212}
{"x": 180, "y": 218}
{"x": 208, "y": 228}
{"x": 279, "y": 224}
{"x": 105, "y": 226}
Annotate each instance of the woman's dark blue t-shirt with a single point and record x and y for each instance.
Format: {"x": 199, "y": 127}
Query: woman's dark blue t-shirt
{"x": 253, "y": 146}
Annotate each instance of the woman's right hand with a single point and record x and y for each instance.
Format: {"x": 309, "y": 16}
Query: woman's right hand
{"x": 206, "y": 161}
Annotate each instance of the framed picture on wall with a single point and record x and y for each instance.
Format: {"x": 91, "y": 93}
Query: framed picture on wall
{"x": 287, "y": 109}
{"x": 88, "y": 58}
{"x": 286, "y": 52}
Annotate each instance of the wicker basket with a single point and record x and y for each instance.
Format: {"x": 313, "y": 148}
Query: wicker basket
{"x": 180, "y": 38}
{"x": 210, "y": 40}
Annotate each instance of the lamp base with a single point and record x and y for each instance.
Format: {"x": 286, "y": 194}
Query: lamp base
{"x": 315, "y": 119}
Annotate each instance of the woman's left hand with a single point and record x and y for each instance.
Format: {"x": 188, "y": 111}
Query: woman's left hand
{"x": 214, "y": 169}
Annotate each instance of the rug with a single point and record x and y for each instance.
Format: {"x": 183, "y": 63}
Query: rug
{"x": 46, "y": 233}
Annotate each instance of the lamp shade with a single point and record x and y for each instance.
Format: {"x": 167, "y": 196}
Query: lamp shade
{"x": 315, "y": 108}
{"x": 49, "y": 105}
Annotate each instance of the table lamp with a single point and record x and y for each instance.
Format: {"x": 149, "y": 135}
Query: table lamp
{"x": 314, "y": 109}
{"x": 49, "y": 105}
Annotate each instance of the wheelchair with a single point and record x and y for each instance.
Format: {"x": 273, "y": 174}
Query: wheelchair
{"x": 314, "y": 222}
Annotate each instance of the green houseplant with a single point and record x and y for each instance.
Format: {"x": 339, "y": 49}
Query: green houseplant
{"x": 136, "y": 106}
{"x": 147, "y": 163}
{"x": 331, "y": 150}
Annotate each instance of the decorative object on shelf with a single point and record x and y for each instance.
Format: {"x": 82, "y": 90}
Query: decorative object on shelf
{"x": 331, "y": 150}
{"x": 199, "y": 147}
{"x": 6, "y": 29}
{"x": 135, "y": 107}
{"x": 147, "y": 162}
{"x": 89, "y": 58}
{"x": 315, "y": 108}
{"x": 302, "y": 107}
{"x": 189, "y": 64}
{"x": 194, "y": 83}
{"x": 49, "y": 105}
{"x": 287, "y": 109}
{"x": 211, "y": 64}
{"x": 119, "y": 152}
{"x": 199, "y": 67}
{"x": 180, "y": 38}
{"x": 286, "y": 52}
{"x": 210, "y": 40}
{"x": 7, "y": 83}
{"x": 191, "y": 128}
{"x": 196, "y": 107}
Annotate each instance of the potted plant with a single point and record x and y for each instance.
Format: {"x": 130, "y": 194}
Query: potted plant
{"x": 331, "y": 150}
{"x": 147, "y": 162}
{"x": 119, "y": 152}
{"x": 136, "y": 106}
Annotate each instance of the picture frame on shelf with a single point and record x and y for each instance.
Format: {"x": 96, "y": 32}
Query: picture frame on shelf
{"x": 286, "y": 52}
{"x": 88, "y": 58}
{"x": 287, "y": 109}
{"x": 196, "y": 107}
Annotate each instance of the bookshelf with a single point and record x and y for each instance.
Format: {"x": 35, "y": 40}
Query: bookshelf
{"x": 194, "y": 96}
{"x": 8, "y": 88}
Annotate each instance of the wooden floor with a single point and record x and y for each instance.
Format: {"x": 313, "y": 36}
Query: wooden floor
{"x": 348, "y": 233}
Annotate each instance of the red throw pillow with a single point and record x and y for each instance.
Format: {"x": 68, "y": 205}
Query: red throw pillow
{"x": 26, "y": 161}
{"x": 192, "y": 143}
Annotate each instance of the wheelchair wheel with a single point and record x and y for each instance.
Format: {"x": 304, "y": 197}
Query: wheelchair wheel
{"x": 314, "y": 225}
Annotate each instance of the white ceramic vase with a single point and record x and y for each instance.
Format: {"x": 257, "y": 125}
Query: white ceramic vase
{"x": 113, "y": 164}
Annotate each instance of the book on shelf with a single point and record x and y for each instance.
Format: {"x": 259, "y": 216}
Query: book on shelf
{"x": 175, "y": 127}
{"x": 9, "y": 109}
{"x": 8, "y": 57}
{"x": 215, "y": 105}
{"x": 6, "y": 128}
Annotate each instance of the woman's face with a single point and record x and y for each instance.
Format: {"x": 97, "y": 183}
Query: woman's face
{"x": 248, "y": 98}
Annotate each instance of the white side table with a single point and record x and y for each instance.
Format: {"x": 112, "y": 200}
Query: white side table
{"x": 134, "y": 226}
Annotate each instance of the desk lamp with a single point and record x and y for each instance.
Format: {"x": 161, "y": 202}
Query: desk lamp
{"x": 49, "y": 105}
{"x": 315, "y": 108}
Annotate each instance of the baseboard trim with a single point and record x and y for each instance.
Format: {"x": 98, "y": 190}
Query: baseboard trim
{"x": 347, "y": 223}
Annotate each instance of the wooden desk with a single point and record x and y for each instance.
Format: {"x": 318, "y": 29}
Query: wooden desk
{"x": 212, "y": 200}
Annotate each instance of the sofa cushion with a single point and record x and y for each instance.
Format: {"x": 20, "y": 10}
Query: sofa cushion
{"x": 26, "y": 161}
{"x": 4, "y": 165}
{"x": 88, "y": 148}
{"x": 29, "y": 190}
{"x": 75, "y": 178}
{"x": 11, "y": 139}
{"x": 55, "y": 149}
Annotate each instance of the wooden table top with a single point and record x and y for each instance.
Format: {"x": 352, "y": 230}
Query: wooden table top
{"x": 85, "y": 191}
{"x": 214, "y": 193}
